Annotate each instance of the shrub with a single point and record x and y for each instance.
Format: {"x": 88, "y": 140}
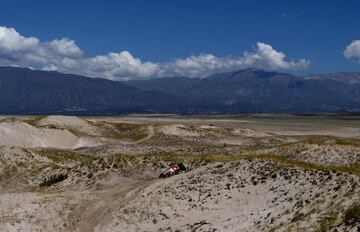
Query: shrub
{"x": 352, "y": 214}
{"x": 53, "y": 179}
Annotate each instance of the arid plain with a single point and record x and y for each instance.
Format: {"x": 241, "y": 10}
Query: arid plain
{"x": 245, "y": 173}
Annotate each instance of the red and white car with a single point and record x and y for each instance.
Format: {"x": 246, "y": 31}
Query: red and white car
{"x": 174, "y": 170}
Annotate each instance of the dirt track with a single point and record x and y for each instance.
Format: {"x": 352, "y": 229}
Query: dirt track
{"x": 91, "y": 214}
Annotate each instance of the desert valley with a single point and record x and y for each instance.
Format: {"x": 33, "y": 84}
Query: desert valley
{"x": 244, "y": 173}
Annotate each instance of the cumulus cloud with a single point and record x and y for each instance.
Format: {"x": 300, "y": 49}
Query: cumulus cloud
{"x": 16, "y": 49}
{"x": 64, "y": 47}
{"x": 352, "y": 51}
{"x": 113, "y": 66}
{"x": 263, "y": 57}
{"x": 64, "y": 55}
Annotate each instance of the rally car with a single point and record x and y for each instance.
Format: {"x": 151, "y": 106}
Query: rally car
{"x": 173, "y": 170}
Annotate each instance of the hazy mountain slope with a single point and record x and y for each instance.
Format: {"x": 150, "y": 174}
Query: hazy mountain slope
{"x": 27, "y": 91}
{"x": 253, "y": 90}
{"x": 172, "y": 85}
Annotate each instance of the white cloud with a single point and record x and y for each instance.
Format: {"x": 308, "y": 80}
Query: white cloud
{"x": 65, "y": 56}
{"x": 120, "y": 65}
{"x": 263, "y": 57}
{"x": 16, "y": 49}
{"x": 64, "y": 47}
{"x": 12, "y": 41}
{"x": 113, "y": 66}
{"x": 197, "y": 66}
{"x": 268, "y": 58}
{"x": 352, "y": 51}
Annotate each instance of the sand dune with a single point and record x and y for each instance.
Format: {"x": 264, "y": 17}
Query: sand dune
{"x": 50, "y": 132}
{"x": 61, "y": 173}
{"x": 178, "y": 130}
{"x": 25, "y": 135}
{"x": 69, "y": 122}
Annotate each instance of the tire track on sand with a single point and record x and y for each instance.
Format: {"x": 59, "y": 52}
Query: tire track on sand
{"x": 97, "y": 212}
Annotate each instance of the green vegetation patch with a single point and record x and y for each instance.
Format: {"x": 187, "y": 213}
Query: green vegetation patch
{"x": 204, "y": 158}
{"x": 8, "y": 172}
{"x": 352, "y": 214}
{"x": 126, "y": 131}
{"x": 353, "y": 169}
{"x": 53, "y": 179}
{"x": 62, "y": 155}
{"x": 327, "y": 221}
{"x": 189, "y": 158}
{"x": 330, "y": 140}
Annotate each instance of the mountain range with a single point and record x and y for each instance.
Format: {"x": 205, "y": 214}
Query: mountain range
{"x": 251, "y": 90}
{"x": 26, "y": 91}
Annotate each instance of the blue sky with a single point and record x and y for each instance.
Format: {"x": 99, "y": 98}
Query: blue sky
{"x": 160, "y": 31}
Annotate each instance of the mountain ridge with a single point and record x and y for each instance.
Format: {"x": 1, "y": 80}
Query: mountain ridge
{"x": 26, "y": 91}
{"x": 254, "y": 90}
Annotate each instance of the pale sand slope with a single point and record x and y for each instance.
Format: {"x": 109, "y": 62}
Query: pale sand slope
{"x": 239, "y": 196}
{"x": 24, "y": 135}
{"x": 71, "y": 123}
{"x": 62, "y": 132}
{"x": 21, "y": 134}
{"x": 249, "y": 133}
{"x": 178, "y": 130}
{"x": 242, "y": 196}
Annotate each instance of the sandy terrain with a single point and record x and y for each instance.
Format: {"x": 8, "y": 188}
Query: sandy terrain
{"x": 178, "y": 130}
{"x": 72, "y": 123}
{"x": 342, "y": 126}
{"x": 256, "y": 173}
{"x": 24, "y": 135}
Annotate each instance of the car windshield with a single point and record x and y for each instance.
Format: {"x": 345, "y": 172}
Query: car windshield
{"x": 166, "y": 167}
